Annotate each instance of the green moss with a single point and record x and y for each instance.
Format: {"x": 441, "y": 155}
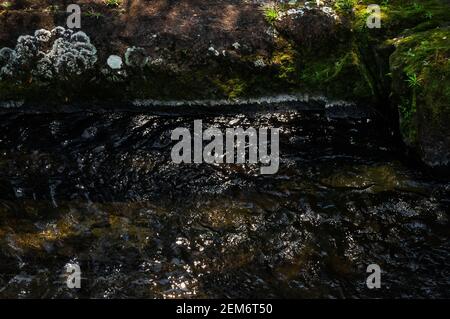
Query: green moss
{"x": 345, "y": 6}
{"x": 112, "y": 3}
{"x": 421, "y": 71}
{"x": 403, "y": 16}
{"x": 341, "y": 75}
{"x": 408, "y": 126}
{"x": 232, "y": 88}
{"x": 221, "y": 78}
{"x": 285, "y": 60}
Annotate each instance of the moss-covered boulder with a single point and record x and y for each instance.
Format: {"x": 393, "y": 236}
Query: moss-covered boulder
{"x": 420, "y": 68}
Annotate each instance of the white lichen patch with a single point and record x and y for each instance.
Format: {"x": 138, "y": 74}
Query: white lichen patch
{"x": 58, "y": 54}
{"x": 259, "y": 63}
{"x": 308, "y": 6}
{"x": 213, "y": 51}
{"x": 272, "y": 32}
{"x": 158, "y": 61}
{"x": 114, "y": 62}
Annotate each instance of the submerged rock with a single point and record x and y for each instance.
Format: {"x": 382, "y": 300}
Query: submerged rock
{"x": 372, "y": 179}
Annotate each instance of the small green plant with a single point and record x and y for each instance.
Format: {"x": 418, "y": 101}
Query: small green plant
{"x": 414, "y": 83}
{"x": 413, "y": 80}
{"x": 113, "y": 3}
{"x": 429, "y": 15}
{"x": 92, "y": 14}
{"x": 345, "y": 5}
{"x": 271, "y": 14}
{"x": 6, "y": 5}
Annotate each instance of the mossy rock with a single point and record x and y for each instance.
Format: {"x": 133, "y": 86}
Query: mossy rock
{"x": 420, "y": 68}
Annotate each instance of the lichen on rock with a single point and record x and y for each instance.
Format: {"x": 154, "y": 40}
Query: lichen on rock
{"x": 43, "y": 35}
{"x": 136, "y": 57}
{"x": 114, "y": 62}
{"x": 53, "y": 55}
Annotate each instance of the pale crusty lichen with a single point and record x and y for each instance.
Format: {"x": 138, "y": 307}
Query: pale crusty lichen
{"x": 58, "y": 54}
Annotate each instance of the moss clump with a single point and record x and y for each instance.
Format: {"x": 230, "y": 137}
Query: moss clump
{"x": 217, "y": 78}
{"x": 345, "y": 6}
{"x": 232, "y": 88}
{"x": 285, "y": 59}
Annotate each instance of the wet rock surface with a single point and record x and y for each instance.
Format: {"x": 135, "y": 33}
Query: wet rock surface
{"x": 99, "y": 189}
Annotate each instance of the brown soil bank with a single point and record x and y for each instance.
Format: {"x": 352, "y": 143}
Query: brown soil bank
{"x": 193, "y": 49}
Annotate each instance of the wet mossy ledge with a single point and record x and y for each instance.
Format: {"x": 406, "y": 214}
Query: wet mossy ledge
{"x": 237, "y": 50}
{"x": 231, "y": 50}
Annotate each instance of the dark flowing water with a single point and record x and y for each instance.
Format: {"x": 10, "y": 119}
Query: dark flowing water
{"x": 100, "y": 190}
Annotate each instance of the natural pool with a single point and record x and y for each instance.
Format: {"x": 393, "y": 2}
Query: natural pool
{"x": 99, "y": 189}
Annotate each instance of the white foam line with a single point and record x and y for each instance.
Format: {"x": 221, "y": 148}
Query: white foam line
{"x": 276, "y": 99}
{"x": 283, "y": 98}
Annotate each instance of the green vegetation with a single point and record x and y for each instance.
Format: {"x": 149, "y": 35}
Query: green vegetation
{"x": 417, "y": 61}
{"x": 413, "y": 81}
{"x": 285, "y": 60}
{"x": 340, "y": 75}
{"x": 271, "y": 14}
{"x": 113, "y": 3}
{"x": 345, "y": 5}
{"x": 422, "y": 62}
{"x": 93, "y": 14}
{"x": 232, "y": 88}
